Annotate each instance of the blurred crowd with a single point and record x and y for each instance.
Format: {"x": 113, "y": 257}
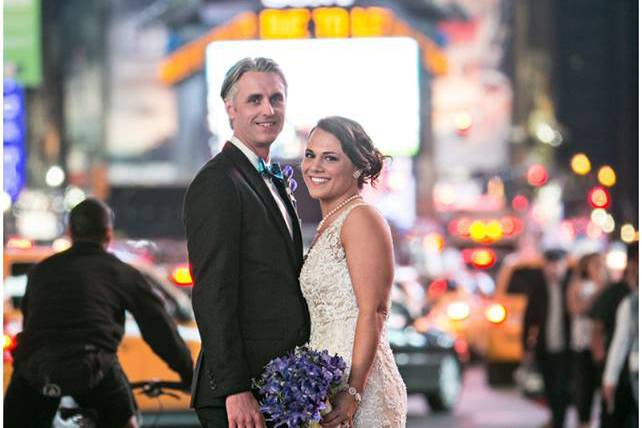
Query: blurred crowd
{"x": 581, "y": 332}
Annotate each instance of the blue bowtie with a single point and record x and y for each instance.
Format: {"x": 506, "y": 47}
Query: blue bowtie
{"x": 274, "y": 170}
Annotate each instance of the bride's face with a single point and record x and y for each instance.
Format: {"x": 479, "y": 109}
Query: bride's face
{"x": 327, "y": 170}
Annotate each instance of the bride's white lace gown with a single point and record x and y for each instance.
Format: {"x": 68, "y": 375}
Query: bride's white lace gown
{"x": 326, "y": 285}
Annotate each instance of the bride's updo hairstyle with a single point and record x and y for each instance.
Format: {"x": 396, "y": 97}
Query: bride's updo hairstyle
{"x": 355, "y": 143}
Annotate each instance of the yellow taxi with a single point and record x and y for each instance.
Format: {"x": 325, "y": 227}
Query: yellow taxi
{"x": 136, "y": 357}
{"x": 497, "y": 331}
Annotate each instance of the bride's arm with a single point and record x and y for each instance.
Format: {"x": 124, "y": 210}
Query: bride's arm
{"x": 367, "y": 242}
{"x": 368, "y": 246}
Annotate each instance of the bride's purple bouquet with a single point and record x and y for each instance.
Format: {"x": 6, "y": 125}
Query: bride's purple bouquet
{"x": 296, "y": 388}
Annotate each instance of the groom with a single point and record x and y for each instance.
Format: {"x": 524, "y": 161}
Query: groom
{"x": 245, "y": 250}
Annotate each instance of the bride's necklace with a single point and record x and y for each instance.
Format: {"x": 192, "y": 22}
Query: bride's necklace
{"x": 336, "y": 209}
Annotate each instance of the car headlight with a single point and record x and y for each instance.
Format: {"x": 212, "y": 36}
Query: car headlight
{"x": 458, "y": 311}
{"x": 496, "y": 313}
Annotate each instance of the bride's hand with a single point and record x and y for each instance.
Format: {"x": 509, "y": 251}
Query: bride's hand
{"x": 344, "y": 408}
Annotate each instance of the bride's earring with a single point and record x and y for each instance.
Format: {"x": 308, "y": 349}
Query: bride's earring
{"x": 356, "y": 174}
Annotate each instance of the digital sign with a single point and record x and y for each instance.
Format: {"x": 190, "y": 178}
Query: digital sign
{"x": 374, "y": 81}
{"x": 14, "y": 136}
{"x": 302, "y": 23}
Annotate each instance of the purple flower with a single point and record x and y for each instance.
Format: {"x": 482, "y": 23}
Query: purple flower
{"x": 295, "y": 387}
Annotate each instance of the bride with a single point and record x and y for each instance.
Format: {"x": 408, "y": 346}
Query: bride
{"x": 347, "y": 276}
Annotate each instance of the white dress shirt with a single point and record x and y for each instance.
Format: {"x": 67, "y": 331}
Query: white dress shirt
{"x": 555, "y": 318}
{"x": 621, "y": 345}
{"x": 254, "y": 160}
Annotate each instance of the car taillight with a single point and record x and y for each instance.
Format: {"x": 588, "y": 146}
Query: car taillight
{"x": 182, "y": 277}
{"x": 8, "y": 342}
{"x": 479, "y": 258}
{"x": 458, "y": 311}
{"x": 437, "y": 288}
{"x": 496, "y": 313}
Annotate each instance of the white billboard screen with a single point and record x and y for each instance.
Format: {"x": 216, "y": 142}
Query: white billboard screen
{"x": 374, "y": 81}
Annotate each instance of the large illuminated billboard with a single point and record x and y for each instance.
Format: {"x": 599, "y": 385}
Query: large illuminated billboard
{"x": 374, "y": 81}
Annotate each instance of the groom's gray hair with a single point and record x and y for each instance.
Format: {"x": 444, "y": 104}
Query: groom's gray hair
{"x": 259, "y": 64}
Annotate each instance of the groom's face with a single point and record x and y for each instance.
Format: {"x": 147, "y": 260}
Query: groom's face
{"x": 257, "y": 108}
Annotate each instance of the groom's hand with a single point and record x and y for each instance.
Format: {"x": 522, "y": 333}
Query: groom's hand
{"x": 243, "y": 411}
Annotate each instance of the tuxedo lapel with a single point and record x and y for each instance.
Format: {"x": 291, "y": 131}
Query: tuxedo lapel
{"x": 296, "y": 222}
{"x": 251, "y": 175}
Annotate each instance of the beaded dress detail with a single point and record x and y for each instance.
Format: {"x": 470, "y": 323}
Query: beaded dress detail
{"x": 326, "y": 285}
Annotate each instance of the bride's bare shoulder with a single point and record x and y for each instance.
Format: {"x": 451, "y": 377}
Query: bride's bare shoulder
{"x": 365, "y": 221}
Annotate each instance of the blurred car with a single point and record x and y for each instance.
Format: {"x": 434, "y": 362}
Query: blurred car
{"x": 136, "y": 357}
{"x": 427, "y": 362}
{"x": 498, "y": 335}
{"x": 454, "y": 305}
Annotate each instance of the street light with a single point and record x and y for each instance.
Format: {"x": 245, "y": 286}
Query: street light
{"x": 627, "y": 233}
{"x": 606, "y": 176}
{"x": 580, "y": 164}
{"x": 55, "y": 176}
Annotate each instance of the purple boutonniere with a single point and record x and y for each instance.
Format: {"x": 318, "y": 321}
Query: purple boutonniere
{"x": 290, "y": 183}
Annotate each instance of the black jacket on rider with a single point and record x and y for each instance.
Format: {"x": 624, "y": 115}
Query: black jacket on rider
{"x": 79, "y": 297}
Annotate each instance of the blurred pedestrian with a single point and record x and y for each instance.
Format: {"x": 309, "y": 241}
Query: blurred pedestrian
{"x": 624, "y": 345}
{"x": 603, "y": 313}
{"x": 547, "y": 329}
{"x": 74, "y": 319}
{"x": 587, "y": 282}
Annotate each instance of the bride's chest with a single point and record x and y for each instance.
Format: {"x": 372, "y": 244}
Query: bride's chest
{"x": 325, "y": 276}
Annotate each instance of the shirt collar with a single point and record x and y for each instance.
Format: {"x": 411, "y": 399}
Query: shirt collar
{"x": 251, "y": 156}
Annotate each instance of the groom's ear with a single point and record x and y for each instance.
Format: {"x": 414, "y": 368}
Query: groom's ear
{"x": 230, "y": 109}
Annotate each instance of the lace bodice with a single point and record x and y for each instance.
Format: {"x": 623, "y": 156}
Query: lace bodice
{"x": 327, "y": 287}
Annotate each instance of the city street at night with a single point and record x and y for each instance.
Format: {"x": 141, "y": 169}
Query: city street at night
{"x": 224, "y": 212}
{"x": 480, "y": 407}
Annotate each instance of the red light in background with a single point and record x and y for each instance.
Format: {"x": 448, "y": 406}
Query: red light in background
{"x": 461, "y": 347}
{"x": 480, "y": 258}
{"x": 182, "y": 276}
{"x": 537, "y": 175}
{"x": 460, "y": 227}
{"x": 8, "y": 342}
{"x": 599, "y": 197}
{"x": 520, "y": 203}
{"x": 437, "y": 288}
{"x": 512, "y": 226}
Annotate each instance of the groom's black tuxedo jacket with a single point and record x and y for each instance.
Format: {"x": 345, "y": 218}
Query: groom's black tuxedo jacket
{"x": 247, "y": 301}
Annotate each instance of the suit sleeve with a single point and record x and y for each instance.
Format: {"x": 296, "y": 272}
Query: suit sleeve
{"x": 159, "y": 330}
{"x": 212, "y": 216}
